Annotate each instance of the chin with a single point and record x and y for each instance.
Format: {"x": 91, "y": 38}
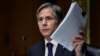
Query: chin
{"x": 46, "y": 35}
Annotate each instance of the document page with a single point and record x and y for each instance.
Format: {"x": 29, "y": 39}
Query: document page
{"x": 69, "y": 27}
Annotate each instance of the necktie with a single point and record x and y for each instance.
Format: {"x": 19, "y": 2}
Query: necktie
{"x": 50, "y": 45}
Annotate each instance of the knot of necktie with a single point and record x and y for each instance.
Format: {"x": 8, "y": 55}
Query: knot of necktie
{"x": 49, "y": 45}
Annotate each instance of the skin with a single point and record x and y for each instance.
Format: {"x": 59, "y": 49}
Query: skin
{"x": 47, "y": 23}
{"x": 78, "y": 41}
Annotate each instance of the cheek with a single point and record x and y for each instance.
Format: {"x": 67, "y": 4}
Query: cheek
{"x": 53, "y": 25}
{"x": 39, "y": 25}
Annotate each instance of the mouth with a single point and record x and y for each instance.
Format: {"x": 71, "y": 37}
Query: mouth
{"x": 45, "y": 30}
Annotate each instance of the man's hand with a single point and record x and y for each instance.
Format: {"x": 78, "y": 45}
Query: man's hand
{"x": 78, "y": 41}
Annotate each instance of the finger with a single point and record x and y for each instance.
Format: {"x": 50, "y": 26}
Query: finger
{"x": 78, "y": 44}
{"x": 75, "y": 41}
{"x": 82, "y": 32}
{"x": 78, "y": 37}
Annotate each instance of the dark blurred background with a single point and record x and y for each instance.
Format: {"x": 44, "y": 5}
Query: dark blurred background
{"x": 18, "y": 26}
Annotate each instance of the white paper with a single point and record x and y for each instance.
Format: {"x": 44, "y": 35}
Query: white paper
{"x": 69, "y": 27}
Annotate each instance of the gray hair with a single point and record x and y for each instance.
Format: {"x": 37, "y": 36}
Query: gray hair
{"x": 56, "y": 9}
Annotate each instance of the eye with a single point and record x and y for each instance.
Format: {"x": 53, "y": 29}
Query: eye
{"x": 40, "y": 19}
{"x": 49, "y": 18}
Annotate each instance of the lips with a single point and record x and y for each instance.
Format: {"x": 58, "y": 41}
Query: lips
{"x": 45, "y": 30}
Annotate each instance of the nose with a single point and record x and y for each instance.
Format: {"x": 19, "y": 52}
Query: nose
{"x": 44, "y": 22}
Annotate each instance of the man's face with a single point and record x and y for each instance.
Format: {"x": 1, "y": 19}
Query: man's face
{"x": 47, "y": 22}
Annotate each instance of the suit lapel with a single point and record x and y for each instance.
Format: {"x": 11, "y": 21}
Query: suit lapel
{"x": 41, "y": 50}
{"x": 59, "y": 50}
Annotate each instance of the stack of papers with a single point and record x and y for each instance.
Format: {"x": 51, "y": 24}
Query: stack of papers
{"x": 70, "y": 26}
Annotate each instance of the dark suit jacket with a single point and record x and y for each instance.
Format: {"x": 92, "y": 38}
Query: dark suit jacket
{"x": 39, "y": 50}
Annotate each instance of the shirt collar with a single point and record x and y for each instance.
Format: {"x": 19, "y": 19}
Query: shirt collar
{"x": 52, "y": 41}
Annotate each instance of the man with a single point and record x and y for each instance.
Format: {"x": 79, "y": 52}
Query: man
{"x": 49, "y": 17}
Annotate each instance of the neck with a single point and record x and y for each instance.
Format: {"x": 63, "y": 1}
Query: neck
{"x": 48, "y": 39}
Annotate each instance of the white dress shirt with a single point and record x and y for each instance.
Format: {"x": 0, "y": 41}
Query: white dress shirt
{"x": 54, "y": 47}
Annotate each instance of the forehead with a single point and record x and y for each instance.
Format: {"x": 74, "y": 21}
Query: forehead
{"x": 46, "y": 11}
